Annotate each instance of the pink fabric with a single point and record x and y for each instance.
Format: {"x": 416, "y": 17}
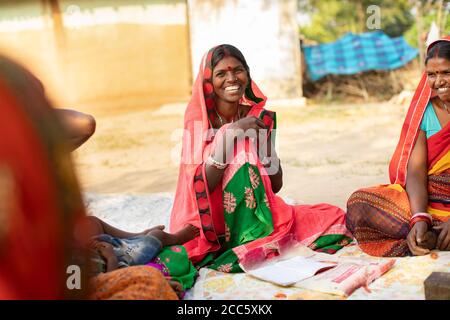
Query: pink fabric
{"x": 195, "y": 150}
{"x": 300, "y": 223}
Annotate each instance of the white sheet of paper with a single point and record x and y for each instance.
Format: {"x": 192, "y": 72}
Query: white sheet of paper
{"x": 287, "y": 272}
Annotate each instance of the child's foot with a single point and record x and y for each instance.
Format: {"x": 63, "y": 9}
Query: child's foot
{"x": 158, "y": 227}
{"x": 186, "y": 234}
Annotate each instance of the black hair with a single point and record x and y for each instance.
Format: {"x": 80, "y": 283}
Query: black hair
{"x": 440, "y": 49}
{"x": 225, "y": 50}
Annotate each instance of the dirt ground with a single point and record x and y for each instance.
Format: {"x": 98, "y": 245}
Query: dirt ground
{"x": 326, "y": 151}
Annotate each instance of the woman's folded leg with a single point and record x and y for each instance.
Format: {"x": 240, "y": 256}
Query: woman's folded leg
{"x": 378, "y": 217}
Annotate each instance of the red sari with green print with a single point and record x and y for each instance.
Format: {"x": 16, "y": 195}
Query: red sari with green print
{"x": 242, "y": 221}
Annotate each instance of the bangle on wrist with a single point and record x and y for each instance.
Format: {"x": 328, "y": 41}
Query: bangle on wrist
{"x": 421, "y": 216}
{"x": 216, "y": 164}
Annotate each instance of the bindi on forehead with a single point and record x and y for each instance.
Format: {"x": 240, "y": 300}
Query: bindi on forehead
{"x": 228, "y": 64}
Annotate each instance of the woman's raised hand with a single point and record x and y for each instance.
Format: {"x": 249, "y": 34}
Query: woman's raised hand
{"x": 242, "y": 126}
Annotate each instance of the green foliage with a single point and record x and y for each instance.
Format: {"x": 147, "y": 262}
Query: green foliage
{"x": 396, "y": 17}
{"x": 331, "y": 19}
{"x": 411, "y": 35}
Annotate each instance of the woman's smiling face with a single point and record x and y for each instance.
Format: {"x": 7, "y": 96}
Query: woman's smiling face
{"x": 438, "y": 77}
{"x": 229, "y": 79}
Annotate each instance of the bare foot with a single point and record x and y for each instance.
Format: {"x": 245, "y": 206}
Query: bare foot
{"x": 158, "y": 227}
{"x": 186, "y": 234}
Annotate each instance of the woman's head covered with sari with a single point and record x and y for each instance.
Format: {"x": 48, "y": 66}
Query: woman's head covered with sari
{"x": 214, "y": 56}
{"x": 193, "y": 203}
{"x": 203, "y": 100}
{"x": 242, "y": 221}
{"x": 399, "y": 162}
{"x": 40, "y": 201}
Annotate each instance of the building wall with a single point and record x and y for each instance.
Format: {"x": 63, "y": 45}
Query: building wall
{"x": 104, "y": 55}
{"x": 26, "y": 36}
{"x": 116, "y": 55}
{"x": 264, "y": 30}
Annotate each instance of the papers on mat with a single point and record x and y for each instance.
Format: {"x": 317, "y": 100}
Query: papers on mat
{"x": 347, "y": 277}
{"x": 290, "y": 271}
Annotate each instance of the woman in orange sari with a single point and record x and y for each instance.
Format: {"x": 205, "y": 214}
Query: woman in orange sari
{"x": 411, "y": 215}
{"x": 230, "y": 174}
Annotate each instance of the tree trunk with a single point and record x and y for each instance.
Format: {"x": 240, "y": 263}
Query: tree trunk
{"x": 439, "y": 7}
{"x": 420, "y": 39}
{"x": 361, "y": 17}
{"x": 58, "y": 26}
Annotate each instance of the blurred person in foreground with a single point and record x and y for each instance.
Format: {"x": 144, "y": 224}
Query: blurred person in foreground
{"x": 79, "y": 127}
{"x": 40, "y": 202}
{"x": 411, "y": 215}
{"x": 43, "y": 225}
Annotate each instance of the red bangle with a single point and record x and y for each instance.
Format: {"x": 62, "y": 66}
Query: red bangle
{"x": 421, "y": 216}
{"x": 417, "y": 219}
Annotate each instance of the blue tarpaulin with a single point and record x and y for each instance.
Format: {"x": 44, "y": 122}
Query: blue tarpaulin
{"x": 354, "y": 53}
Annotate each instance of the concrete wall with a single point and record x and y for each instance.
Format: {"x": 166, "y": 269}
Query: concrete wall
{"x": 115, "y": 55}
{"x": 102, "y": 55}
{"x": 27, "y": 37}
{"x": 264, "y": 30}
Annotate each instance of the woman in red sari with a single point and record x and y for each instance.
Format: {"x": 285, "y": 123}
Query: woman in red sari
{"x": 411, "y": 215}
{"x": 40, "y": 202}
{"x": 230, "y": 174}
